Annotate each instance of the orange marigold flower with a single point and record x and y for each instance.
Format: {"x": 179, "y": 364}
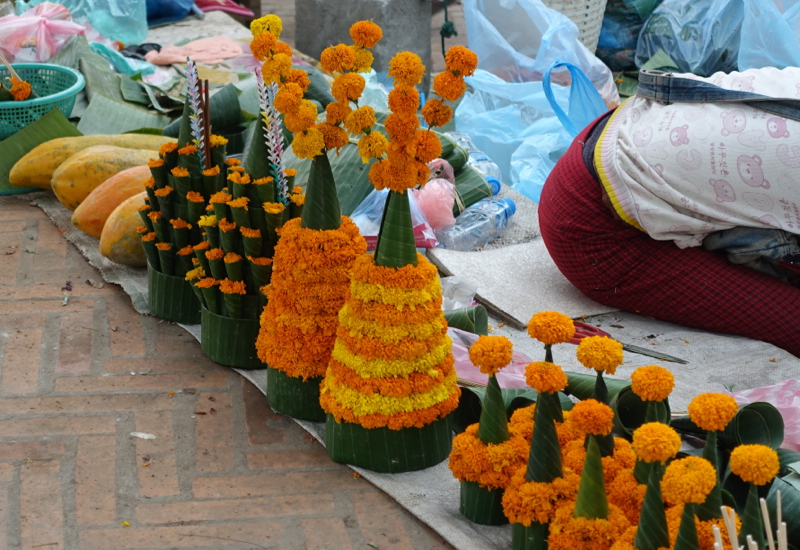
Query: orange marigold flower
{"x": 288, "y": 98}
{"x": 20, "y": 89}
{"x": 220, "y": 198}
{"x": 656, "y": 442}
{"x": 337, "y": 112}
{"x": 491, "y": 353}
{"x": 215, "y": 254}
{"x": 155, "y": 163}
{"x": 233, "y": 161}
{"x": 449, "y": 86}
{"x": 360, "y": 120}
{"x": 187, "y": 150}
{"x": 186, "y": 250}
{"x": 397, "y": 177}
{"x": 299, "y": 77}
{"x": 273, "y": 207}
{"x": 297, "y": 190}
{"x": 406, "y": 68}
{"x": 404, "y": 100}
{"x": 592, "y": 417}
{"x": 372, "y": 145}
{"x": 568, "y": 532}
{"x": 208, "y": 282}
{"x": 337, "y": 59}
{"x": 348, "y": 87}
{"x": 527, "y": 501}
{"x": 180, "y": 224}
{"x": 427, "y": 146}
{"x": 290, "y": 173}
{"x": 167, "y": 148}
{"x": 461, "y": 61}
{"x": 241, "y": 202}
{"x": 302, "y": 118}
{"x": 688, "y": 480}
{"x": 149, "y": 237}
{"x": 652, "y": 383}
{"x": 712, "y": 411}
{"x": 154, "y": 216}
{"x": 277, "y": 68}
{"x": 365, "y": 34}
{"x": 232, "y": 258}
{"x": 225, "y": 225}
{"x": 545, "y": 377}
{"x": 600, "y": 353}
{"x": 269, "y": 23}
{"x": 238, "y": 176}
{"x": 238, "y": 169}
{"x": 551, "y": 327}
{"x": 756, "y": 464}
{"x": 150, "y": 183}
{"x": 298, "y": 200}
{"x": 308, "y": 144}
{"x": 263, "y": 181}
{"x": 250, "y": 233}
{"x": 263, "y": 45}
{"x": 627, "y": 494}
{"x": 179, "y": 171}
{"x": 194, "y": 196}
{"x": 202, "y": 246}
{"x": 213, "y": 171}
{"x": 143, "y": 208}
{"x": 164, "y": 191}
{"x": 436, "y": 113}
{"x": 164, "y": 246}
{"x": 141, "y": 230}
{"x": 401, "y": 128}
{"x": 260, "y": 261}
{"x": 334, "y": 136}
{"x": 364, "y": 59}
{"x": 490, "y": 466}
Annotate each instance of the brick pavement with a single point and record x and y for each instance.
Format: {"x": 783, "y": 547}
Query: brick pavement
{"x": 223, "y": 471}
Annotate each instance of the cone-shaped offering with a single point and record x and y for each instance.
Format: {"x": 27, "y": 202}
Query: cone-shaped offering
{"x": 297, "y": 202}
{"x": 200, "y": 253}
{"x": 252, "y": 241}
{"x": 273, "y": 211}
{"x": 687, "y": 533}
{"x": 756, "y": 465}
{"x": 321, "y": 210}
{"x": 164, "y": 197}
{"x": 144, "y": 213}
{"x": 149, "y": 244}
{"x": 233, "y": 267}
{"x": 210, "y": 290}
{"x": 261, "y": 271}
{"x": 209, "y": 225}
{"x": 396, "y": 246}
{"x": 158, "y": 172}
{"x": 184, "y": 264}
{"x": 210, "y": 181}
{"x": 166, "y": 254}
{"x": 150, "y": 188}
{"x": 215, "y": 261}
{"x": 196, "y": 207}
{"x": 194, "y": 276}
{"x": 232, "y": 293}
{"x": 264, "y": 189}
{"x": 228, "y": 236}
{"x": 159, "y": 226}
{"x": 603, "y": 355}
{"x": 180, "y": 232}
{"x": 239, "y": 210}
{"x": 688, "y": 481}
{"x": 220, "y": 203}
{"x": 592, "y": 502}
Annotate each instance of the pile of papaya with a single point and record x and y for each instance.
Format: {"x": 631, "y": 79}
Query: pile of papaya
{"x": 100, "y": 178}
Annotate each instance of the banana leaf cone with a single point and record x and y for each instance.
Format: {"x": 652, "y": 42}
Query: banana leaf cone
{"x": 151, "y": 252}
{"x": 179, "y": 268}
{"x": 159, "y": 175}
{"x": 606, "y": 442}
{"x": 222, "y": 211}
{"x": 218, "y": 156}
{"x": 165, "y": 205}
{"x": 493, "y": 424}
{"x": 295, "y": 209}
{"x": 652, "y": 532}
{"x": 533, "y": 537}
{"x": 241, "y": 216}
{"x": 264, "y": 190}
{"x": 210, "y": 184}
{"x": 147, "y": 222}
{"x": 170, "y": 161}
{"x": 198, "y": 184}
{"x": 252, "y": 246}
{"x": 711, "y": 508}
{"x": 181, "y": 237}
{"x": 167, "y": 258}
{"x": 252, "y": 192}
{"x": 234, "y": 270}
{"x": 194, "y": 211}
{"x": 752, "y": 521}
{"x": 274, "y": 221}
{"x": 185, "y": 136}
{"x": 212, "y": 235}
{"x": 228, "y": 240}
{"x": 233, "y": 302}
{"x": 687, "y": 532}
{"x": 258, "y": 221}
{"x": 322, "y": 210}
{"x": 199, "y": 293}
{"x": 218, "y": 269}
{"x": 239, "y": 189}
{"x": 161, "y": 227}
{"x": 182, "y": 186}
{"x": 212, "y": 300}
{"x": 544, "y": 461}
{"x": 592, "y": 502}
{"x": 191, "y": 162}
{"x": 200, "y": 254}
{"x": 261, "y": 273}
{"x": 151, "y": 194}
{"x": 257, "y": 162}
{"x": 395, "y": 247}
{"x": 185, "y": 257}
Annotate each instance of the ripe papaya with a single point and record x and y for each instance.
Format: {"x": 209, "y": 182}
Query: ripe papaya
{"x": 37, "y": 167}
{"x": 119, "y": 241}
{"x": 81, "y": 173}
{"x": 93, "y": 212}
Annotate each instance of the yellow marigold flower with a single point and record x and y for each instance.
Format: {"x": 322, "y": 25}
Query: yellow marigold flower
{"x": 167, "y": 148}
{"x": 277, "y": 68}
{"x": 164, "y": 191}
{"x": 241, "y": 202}
{"x": 215, "y": 254}
{"x": 688, "y": 480}
{"x": 196, "y": 273}
{"x": 202, "y": 246}
{"x": 656, "y": 442}
{"x": 217, "y": 141}
{"x": 298, "y": 200}
{"x": 207, "y": 221}
{"x": 545, "y": 377}
{"x": 288, "y": 98}
{"x": 404, "y": 100}
{"x": 163, "y": 246}
{"x": 179, "y": 171}
{"x": 20, "y": 89}
{"x": 652, "y": 383}
{"x": 302, "y": 118}
{"x": 551, "y": 327}
{"x": 600, "y": 353}
{"x": 225, "y": 225}
{"x": 360, "y": 120}
{"x": 592, "y": 417}
{"x": 337, "y": 112}
{"x": 194, "y": 196}
{"x": 269, "y": 23}
{"x": 491, "y": 353}
{"x": 461, "y": 61}
{"x": 756, "y": 464}
{"x": 208, "y": 282}
{"x": 712, "y": 411}
{"x": 263, "y": 45}
{"x": 449, "y": 86}
{"x": 250, "y": 233}
{"x": 334, "y": 136}
{"x": 155, "y": 163}
{"x": 406, "y": 68}
{"x": 299, "y": 77}
{"x": 337, "y": 59}
{"x": 372, "y": 145}
{"x": 308, "y": 144}
{"x": 149, "y": 237}
{"x": 364, "y": 59}
{"x": 273, "y": 207}
{"x": 232, "y": 258}
{"x": 154, "y": 215}
{"x": 401, "y": 129}
{"x": 186, "y": 250}
{"x": 427, "y": 146}
{"x": 365, "y": 34}
{"x": 188, "y": 150}
{"x": 233, "y": 162}
{"x": 436, "y": 113}
{"x": 348, "y": 87}
{"x": 290, "y": 173}
{"x": 180, "y": 224}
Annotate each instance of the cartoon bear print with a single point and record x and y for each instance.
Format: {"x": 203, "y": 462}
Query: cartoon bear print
{"x": 759, "y": 201}
{"x": 790, "y": 159}
{"x": 750, "y": 171}
{"x": 643, "y": 136}
{"x": 776, "y": 127}
{"x": 689, "y": 160}
{"x": 743, "y": 83}
{"x": 768, "y": 220}
{"x": 678, "y": 135}
{"x": 636, "y": 114}
{"x": 725, "y": 192}
{"x": 733, "y": 122}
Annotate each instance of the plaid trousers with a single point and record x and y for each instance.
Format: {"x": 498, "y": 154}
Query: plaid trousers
{"x": 617, "y": 265}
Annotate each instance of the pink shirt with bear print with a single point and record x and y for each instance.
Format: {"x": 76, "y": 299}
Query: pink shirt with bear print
{"x": 684, "y": 170}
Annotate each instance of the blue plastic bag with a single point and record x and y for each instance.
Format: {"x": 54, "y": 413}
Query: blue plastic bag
{"x": 166, "y": 11}
{"x": 772, "y": 35}
{"x": 585, "y": 104}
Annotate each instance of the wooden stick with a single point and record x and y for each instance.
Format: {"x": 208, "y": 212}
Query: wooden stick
{"x": 9, "y": 67}
{"x": 783, "y": 542}
{"x": 207, "y": 115}
{"x": 767, "y": 524}
{"x": 730, "y": 525}
{"x": 717, "y": 538}
{"x": 751, "y": 544}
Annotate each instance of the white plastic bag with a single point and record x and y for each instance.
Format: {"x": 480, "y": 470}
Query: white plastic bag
{"x": 368, "y": 215}
{"x": 37, "y": 34}
{"x": 518, "y": 40}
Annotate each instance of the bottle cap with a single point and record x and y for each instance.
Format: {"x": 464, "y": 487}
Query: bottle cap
{"x": 494, "y": 183}
{"x": 511, "y": 206}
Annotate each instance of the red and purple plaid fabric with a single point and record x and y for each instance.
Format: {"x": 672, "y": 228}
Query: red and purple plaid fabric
{"x": 620, "y": 266}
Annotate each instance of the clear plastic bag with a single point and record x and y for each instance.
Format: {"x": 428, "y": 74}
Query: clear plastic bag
{"x": 122, "y": 20}
{"x": 518, "y": 40}
{"x": 700, "y": 36}
{"x": 773, "y": 35}
{"x": 368, "y": 215}
{"x": 512, "y": 376}
{"x": 38, "y": 34}
{"x": 436, "y": 201}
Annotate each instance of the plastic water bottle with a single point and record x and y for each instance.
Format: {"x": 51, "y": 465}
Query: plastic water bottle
{"x": 479, "y": 160}
{"x": 479, "y": 224}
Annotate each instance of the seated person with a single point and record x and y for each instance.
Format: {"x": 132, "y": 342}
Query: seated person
{"x": 654, "y": 205}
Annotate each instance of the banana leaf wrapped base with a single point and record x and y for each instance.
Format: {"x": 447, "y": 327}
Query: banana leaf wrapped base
{"x": 481, "y": 505}
{"x": 230, "y": 342}
{"x": 533, "y": 537}
{"x": 172, "y": 298}
{"x": 294, "y": 397}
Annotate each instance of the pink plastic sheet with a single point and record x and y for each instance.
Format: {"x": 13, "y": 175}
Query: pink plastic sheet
{"x": 785, "y": 396}
{"x": 511, "y": 377}
{"x": 45, "y": 28}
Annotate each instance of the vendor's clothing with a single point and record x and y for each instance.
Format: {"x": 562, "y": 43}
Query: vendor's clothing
{"x": 684, "y": 170}
{"x": 616, "y": 264}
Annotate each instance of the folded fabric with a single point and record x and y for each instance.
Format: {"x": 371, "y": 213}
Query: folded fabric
{"x": 207, "y": 50}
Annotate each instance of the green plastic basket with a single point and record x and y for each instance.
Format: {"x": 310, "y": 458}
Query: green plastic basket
{"x": 56, "y": 87}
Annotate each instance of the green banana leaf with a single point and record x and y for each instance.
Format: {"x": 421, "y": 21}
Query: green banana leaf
{"x": 225, "y": 112}
{"x": 493, "y": 424}
{"x": 790, "y": 510}
{"x": 395, "y": 247}
{"x": 592, "y": 502}
{"x": 321, "y": 210}
{"x": 51, "y": 126}
{"x": 319, "y": 90}
{"x": 106, "y": 116}
{"x": 652, "y": 530}
{"x": 471, "y": 404}
{"x": 755, "y": 423}
{"x": 544, "y": 459}
{"x": 473, "y": 319}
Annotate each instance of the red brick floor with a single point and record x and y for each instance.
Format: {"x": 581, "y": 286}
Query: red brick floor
{"x": 222, "y": 472}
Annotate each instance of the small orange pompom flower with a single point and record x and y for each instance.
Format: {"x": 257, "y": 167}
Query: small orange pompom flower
{"x": 592, "y": 417}
{"x": 449, "y": 86}
{"x": 491, "y": 353}
{"x": 365, "y": 34}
